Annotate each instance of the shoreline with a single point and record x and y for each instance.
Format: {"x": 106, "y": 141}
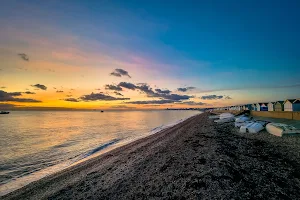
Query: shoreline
{"x": 193, "y": 159}
{"x": 49, "y": 171}
{"x": 103, "y": 156}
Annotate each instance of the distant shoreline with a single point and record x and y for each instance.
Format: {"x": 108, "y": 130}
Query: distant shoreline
{"x": 193, "y": 159}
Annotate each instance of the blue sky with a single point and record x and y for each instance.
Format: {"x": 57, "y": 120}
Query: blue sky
{"x": 248, "y": 50}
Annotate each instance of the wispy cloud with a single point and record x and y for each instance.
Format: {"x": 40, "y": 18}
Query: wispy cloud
{"x": 185, "y": 89}
{"x": 39, "y": 86}
{"x": 28, "y": 92}
{"x": 192, "y": 103}
{"x": 212, "y": 97}
{"x": 5, "y": 96}
{"x": 118, "y": 93}
{"x": 126, "y": 85}
{"x": 72, "y": 100}
{"x": 152, "y": 102}
{"x": 145, "y": 88}
{"x": 15, "y": 94}
{"x": 120, "y": 73}
{"x": 162, "y": 91}
{"x": 99, "y": 97}
{"x": 113, "y": 87}
{"x": 24, "y": 56}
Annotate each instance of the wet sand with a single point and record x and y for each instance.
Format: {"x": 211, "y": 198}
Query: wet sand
{"x": 195, "y": 159}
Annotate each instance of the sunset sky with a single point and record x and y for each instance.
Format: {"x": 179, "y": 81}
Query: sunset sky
{"x": 147, "y": 54}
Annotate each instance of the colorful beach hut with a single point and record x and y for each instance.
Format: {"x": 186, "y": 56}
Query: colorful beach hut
{"x": 292, "y": 105}
{"x": 278, "y": 106}
{"x": 288, "y": 104}
{"x": 271, "y": 106}
{"x": 263, "y": 106}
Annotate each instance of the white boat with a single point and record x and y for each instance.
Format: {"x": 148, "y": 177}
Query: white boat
{"x": 252, "y": 127}
{"x": 239, "y": 124}
{"x": 255, "y": 127}
{"x": 225, "y": 120}
{"x": 242, "y": 119}
{"x": 244, "y": 128}
{"x": 226, "y": 115}
{"x": 280, "y": 130}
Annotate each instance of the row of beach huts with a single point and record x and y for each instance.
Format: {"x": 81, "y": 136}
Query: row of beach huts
{"x": 287, "y": 105}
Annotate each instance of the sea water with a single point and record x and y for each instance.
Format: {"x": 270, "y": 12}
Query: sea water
{"x": 35, "y": 144}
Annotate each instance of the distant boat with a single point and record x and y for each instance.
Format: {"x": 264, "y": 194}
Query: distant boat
{"x": 102, "y": 111}
{"x": 4, "y": 112}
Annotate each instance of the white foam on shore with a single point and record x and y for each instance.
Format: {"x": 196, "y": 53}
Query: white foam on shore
{"x": 103, "y": 148}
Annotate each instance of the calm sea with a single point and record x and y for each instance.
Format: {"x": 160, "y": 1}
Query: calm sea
{"x": 35, "y": 144}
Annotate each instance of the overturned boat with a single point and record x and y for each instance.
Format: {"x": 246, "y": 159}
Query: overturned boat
{"x": 281, "y": 130}
{"x": 225, "y": 117}
{"x": 253, "y": 127}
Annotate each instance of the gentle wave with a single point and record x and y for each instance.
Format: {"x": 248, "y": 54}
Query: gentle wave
{"x": 101, "y": 147}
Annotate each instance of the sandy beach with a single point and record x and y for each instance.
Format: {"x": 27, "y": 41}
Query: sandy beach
{"x": 195, "y": 159}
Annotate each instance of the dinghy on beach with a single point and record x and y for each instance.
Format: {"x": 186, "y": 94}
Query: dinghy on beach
{"x": 242, "y": 119}
{"x": 239, "y": 124}
{"x": 253, "y": 127}
{"x": 224, "y": 120}
{"x": 225, "y": 117}
{"x": 281, "y": 130}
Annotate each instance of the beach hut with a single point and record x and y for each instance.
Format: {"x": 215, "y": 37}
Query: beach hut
{"x": 271, "y": 106}
{"x": 254, "y": 108}
{"x": 278, "y": 106}
{"x": 288, "y": 104}
{"x": 292, "y": 105}
{"x": 257, "y": 107}
{"x": 263, "y": 106}
{"x": 248, "y": 107}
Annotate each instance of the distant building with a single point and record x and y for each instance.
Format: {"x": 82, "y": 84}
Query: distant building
{"x": 292, "y": 105}
{"x": 263, "y": 106}
{"x": 271, "y": 106}
{"x": 278, "y": 106}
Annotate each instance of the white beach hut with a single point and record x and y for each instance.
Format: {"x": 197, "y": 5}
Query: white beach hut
{"x": 288, "y": 104}
{"x": 254, "y": 107}
{"x": 257, "y": 107}
{"x": 292, "y": 105}
{"x": 271, "y": 106}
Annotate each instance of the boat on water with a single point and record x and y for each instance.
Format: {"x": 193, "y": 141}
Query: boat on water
{"x": 4, "y": 112}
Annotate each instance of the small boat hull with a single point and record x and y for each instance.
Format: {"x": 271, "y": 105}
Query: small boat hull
{"x": 252, "y": 127}
{"x": 224, "y": 120}
{"x": 282, "y": 130}
{"x": 4, "y": 112}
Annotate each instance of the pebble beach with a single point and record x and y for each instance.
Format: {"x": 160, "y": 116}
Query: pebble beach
{"x": 195, "y": 159}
